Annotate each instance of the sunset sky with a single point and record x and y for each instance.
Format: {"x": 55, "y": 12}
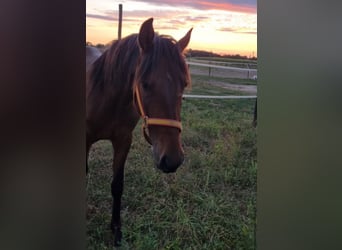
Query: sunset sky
{"x": 220, "y": 26}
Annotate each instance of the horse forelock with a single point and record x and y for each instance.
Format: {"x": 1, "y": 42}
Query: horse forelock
{"x": 164, "y": 53}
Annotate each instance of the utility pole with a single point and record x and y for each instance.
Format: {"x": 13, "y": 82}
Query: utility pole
{"x": 120, "y": 21}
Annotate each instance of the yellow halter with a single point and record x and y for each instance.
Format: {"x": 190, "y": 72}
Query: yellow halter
{"x": 153, "y": 121}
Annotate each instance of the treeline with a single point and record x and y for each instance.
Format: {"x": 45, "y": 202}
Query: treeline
{"x": 99, "y": 45}
{"x": 188, "y": 53}
{"x": 203, "y": 53}
{"x": 200, "y": 53}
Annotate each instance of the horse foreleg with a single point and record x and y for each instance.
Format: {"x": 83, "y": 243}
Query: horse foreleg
{"x": 121, "y": 148}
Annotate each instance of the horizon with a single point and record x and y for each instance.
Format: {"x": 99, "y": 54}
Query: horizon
{"x": 219, "y": 26}
{"x": 188, "y": 49}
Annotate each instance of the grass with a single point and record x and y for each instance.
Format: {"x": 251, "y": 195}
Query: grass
{"x": 210, "y": 203}
{"x": 201, "y": 87}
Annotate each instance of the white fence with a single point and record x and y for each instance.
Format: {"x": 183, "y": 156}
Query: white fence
{"x": 216, "y": 69}
{"x": 220, "y": 96}
{"x": 201, "y": 68}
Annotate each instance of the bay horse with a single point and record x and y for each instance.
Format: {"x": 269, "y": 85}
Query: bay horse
{"x": 142, "y": 75}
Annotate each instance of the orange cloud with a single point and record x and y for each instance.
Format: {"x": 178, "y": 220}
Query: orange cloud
{"x": 227, "y": 6}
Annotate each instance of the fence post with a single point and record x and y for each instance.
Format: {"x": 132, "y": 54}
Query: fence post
{"x": 120, "y": 21}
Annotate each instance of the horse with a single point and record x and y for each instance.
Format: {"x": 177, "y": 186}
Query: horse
{"x": 91, "y": 55}
{"x": 142, "y": 75}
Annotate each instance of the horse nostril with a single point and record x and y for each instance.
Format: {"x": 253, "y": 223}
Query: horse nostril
{"x": 167, "y": 165}
{"x": 164, "y": 164}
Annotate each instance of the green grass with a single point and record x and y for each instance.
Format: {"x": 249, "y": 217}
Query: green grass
{"x": 200, "y": 86}
{"x": 210, "y": 203}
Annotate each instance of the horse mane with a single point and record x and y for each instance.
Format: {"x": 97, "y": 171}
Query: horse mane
{"x": 117, "y": 65}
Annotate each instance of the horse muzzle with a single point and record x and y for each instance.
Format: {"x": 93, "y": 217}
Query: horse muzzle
{"x": 169, "y": 164}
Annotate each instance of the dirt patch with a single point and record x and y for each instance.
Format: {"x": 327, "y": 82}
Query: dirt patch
{"x": 250, "y": 89}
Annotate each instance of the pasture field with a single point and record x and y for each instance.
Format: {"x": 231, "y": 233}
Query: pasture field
{"x": 206, "y": 78}
{"x": 210, "y": 203}
{"x": 239, "y": 63}
{"x": 231, "y": 75}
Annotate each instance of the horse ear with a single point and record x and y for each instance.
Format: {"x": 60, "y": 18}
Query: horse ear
{"x": 146, "y": 35}
{"x": 182, "y": 43}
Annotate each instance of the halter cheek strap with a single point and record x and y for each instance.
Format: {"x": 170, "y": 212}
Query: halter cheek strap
{"x": 153, "y": 121}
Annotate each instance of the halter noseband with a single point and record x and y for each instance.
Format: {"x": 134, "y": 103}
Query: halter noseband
{"x": 153, "y": 121}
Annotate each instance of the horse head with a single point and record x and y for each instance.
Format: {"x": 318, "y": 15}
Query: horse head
{"x": 160, "y": 79}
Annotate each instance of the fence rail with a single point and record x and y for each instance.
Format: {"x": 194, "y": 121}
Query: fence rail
{"x": 220, "y": 66}
{"x": 200, "y": 68}
{"x": 220, "y": 96}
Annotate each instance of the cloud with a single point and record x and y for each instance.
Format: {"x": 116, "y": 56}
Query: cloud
{"x": 133, "y": 15}
{"x": 245, "y": 6}
{"x": 167, "y": 19}
{"x": 194, "y": 18}
{"x": 112, "y": 16}
{"x": 239, "y": 31}
{"x": 102, "y": 17}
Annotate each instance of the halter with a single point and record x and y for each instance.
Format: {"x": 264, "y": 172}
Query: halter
{"x": 153, "y": 121}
